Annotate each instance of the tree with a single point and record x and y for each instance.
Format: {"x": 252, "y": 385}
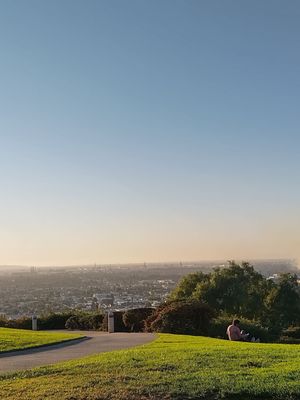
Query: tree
{"x": 241, "y": 291}
{"x": 283, "y": 302}
{"x": 236, "y": 290}
{"x": 187, "y": 286}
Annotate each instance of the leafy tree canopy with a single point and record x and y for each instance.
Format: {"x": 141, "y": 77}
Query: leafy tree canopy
{"x": 241, "y": 291}
{"x": 283, "y": 302}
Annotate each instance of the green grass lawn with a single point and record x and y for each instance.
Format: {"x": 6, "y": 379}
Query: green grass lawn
{"x": 16, "y": 339}
{"x": 172, "y": 367}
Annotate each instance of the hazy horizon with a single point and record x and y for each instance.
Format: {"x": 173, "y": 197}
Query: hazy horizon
{"x": 182, "y": 263}
{"x": 149, "y": 131}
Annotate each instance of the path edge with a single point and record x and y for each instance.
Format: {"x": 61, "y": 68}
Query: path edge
{"x": 41, "y": 346}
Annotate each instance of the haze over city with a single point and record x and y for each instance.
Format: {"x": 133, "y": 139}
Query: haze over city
{"x": 149, "y": 131}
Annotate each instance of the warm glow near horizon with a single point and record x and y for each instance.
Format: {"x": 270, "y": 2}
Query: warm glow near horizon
{"x": 89, "y": 246}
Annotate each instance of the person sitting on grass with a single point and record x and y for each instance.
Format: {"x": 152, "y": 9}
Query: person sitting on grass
{"x": 234, "y": 332}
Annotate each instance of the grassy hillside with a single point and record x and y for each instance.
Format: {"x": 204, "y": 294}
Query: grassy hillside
{"x": 15, "y": 339}
{"x": 172, "y": 367}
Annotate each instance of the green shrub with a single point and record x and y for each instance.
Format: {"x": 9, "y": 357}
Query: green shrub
{"x": 85, "y": 321}
{"x": 218, "y": 327}
{"x": 288, "y": 340}
{"x": 54, "y": 320}
{"x": 3, "y": 321}
{"x": 47, "y": 321}
{"x": 20, "y": 323}
{"x": 73, "y": 323}
{"x": 292, "y": 332}
{"x": 135, "y": 319}
{"x": 185, "y": 317}
{"x": 290, "y": 335}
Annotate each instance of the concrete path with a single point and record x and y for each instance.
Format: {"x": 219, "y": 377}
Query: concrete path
{"x": 95, "y": 342}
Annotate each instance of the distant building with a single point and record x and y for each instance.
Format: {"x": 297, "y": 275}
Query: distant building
{"x": 105, "y": 299}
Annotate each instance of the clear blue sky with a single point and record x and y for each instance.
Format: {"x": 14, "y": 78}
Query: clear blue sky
{"x": 149, "y": 130}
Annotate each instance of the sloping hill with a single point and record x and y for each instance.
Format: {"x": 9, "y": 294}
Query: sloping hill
{"x": 17, "y": 339}
{"x": 172, "y": 367}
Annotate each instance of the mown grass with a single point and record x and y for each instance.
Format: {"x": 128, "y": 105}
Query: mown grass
{"x": 172, "y": 367}
{"x": 16, "y": 339}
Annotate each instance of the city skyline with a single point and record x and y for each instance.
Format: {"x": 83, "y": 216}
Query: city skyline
{"x": 149, "y": 131}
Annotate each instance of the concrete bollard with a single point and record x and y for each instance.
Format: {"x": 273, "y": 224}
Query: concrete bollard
{"x": 34, "y": 323}
{"x": 110, "y": 322}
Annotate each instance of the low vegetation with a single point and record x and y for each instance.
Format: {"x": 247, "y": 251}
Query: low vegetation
{"x": 173, "y": 367}
{"x": 87, "y": 321}
{"x": 16, "y": 339}
{"x": 183, "y": 317}
{"x": 73, "y": 319}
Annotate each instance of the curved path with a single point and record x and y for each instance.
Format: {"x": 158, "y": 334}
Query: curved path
{"x": 92, "y": 343}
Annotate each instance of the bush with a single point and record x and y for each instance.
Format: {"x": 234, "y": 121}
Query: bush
{"x": 73, "y": 323}
{"x": 135, "y": 319}
{"x": 54, "y": 320}
{"x": 183, "y": 317}
{"x": 69, "y": 320}
{"x": 291, "y": 335}
{"x": 3, "y": 321}
{"x": 85, "y": 321}
{"x": 288, "y": 340}
{"x": 47, "y": 321}
{"x": 218, "y": 328}
{"x": 292, "y": 332}
{"x": 20, "y": 323}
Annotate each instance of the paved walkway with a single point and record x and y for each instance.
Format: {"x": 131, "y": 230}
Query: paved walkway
{"x": 95, "y": 342}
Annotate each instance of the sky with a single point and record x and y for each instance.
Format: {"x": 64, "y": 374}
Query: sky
{"x": 143, "y": 131}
